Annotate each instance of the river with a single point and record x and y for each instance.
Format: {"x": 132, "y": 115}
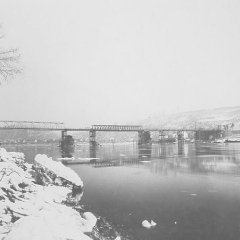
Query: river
{"x": 192, "y": 191}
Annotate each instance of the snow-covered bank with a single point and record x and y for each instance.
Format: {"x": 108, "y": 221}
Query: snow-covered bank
{"x": 34, "y": 200}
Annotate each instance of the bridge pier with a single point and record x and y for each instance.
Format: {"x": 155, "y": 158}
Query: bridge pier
{"x": 161, "y": 136}
{"x": 92, "y": 138}
{"x": 197, "y": 135}
{"x": 92, "y": 151}
{"x": 206, "y": 135}
{"x": 145, "y": 152}
{"x": 180, "y": 136}
{"x": 63, "y": 134}
{"x": 144, "y": 137}
{"x": 66, "y": 140}
{"x": 180, "y": 148}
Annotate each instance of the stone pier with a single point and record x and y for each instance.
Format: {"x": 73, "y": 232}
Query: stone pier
{"x": 92, "y": 138}
{"x": 66, "y": 140}
{"x": 144, "y": 137}
{"x": 180, "y": 136}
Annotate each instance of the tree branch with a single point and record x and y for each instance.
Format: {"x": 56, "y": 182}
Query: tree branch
{"x": 9, "y": 63}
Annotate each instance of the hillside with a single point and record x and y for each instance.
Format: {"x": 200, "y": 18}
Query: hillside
{"x": 207, "y": 118}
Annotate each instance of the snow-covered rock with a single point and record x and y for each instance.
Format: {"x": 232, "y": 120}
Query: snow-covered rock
{"x": 11, "y": 156}
{"x": 32, "y": 211}
{"x": 55, "y": 223}
{"x": 17, "y": 155}
{"x": 12, "y": 175}
{"x": 59, "y": 169}
{"x": 90, "y": 218}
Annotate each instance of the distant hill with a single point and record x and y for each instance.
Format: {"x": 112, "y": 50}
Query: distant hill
{"x": 207, "y": 118}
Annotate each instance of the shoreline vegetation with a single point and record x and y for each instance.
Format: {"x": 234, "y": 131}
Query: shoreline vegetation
{"x": 42, "y": 201}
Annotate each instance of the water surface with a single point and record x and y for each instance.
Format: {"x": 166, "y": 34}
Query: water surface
{"x": 192, "y": 191}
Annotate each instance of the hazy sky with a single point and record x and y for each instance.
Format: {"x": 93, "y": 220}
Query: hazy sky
{"x": 99, "y": 61}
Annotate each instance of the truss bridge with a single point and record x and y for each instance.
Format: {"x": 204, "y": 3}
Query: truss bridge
{"x": 144, "y": 134}
{"x": 28, "y": 125}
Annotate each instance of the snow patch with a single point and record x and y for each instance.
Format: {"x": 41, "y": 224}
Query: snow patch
{"x": 59, "y": 169}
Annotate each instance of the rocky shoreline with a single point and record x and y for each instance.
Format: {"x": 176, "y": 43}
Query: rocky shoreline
{"x": 41, "y": 201}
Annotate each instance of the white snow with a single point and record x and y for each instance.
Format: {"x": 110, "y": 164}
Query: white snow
{"x": 148, "y": 224}
{"x": 52, "y": 223}
{"x": 14, "y": 157}
{"x": 58, "y": 168}
{"x": 90, "y": 218}
{"x": 39, "y": 209}
{"x": 17, "y": 155}
{"x": 12, "y": 175}
{"x": 153, "y": 223}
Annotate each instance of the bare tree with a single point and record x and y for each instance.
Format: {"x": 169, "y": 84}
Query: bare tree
{"x": 9, "y": 63}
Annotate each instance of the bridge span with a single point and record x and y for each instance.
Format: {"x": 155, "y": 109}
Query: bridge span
{"x": 30, "y": 125}
{"x": 144, "y": 134}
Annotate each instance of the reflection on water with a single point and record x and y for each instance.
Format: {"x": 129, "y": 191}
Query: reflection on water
{"x": 145, "y": 151}
{"x": 199, "y": 158}
{"x": 180, "y": 148}
{"x": 93, "y": 151}
{"x": 192, "y": 191}
{"x": 67, "y": 151}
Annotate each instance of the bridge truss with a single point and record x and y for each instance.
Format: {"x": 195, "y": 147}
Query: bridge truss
{"x": 117, "y": 128}
{"x": 31, "y": 125}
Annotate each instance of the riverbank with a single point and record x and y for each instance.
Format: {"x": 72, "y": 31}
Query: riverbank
{"x": 42, "y": 201}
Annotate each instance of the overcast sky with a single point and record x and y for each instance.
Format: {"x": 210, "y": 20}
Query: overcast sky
{"x": 117, "y": 61}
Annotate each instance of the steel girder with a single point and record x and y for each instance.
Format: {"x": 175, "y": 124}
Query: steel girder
{"x": 123, "y": 128}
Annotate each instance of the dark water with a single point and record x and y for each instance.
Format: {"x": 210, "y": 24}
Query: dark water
{"x": 191, "y": 191}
